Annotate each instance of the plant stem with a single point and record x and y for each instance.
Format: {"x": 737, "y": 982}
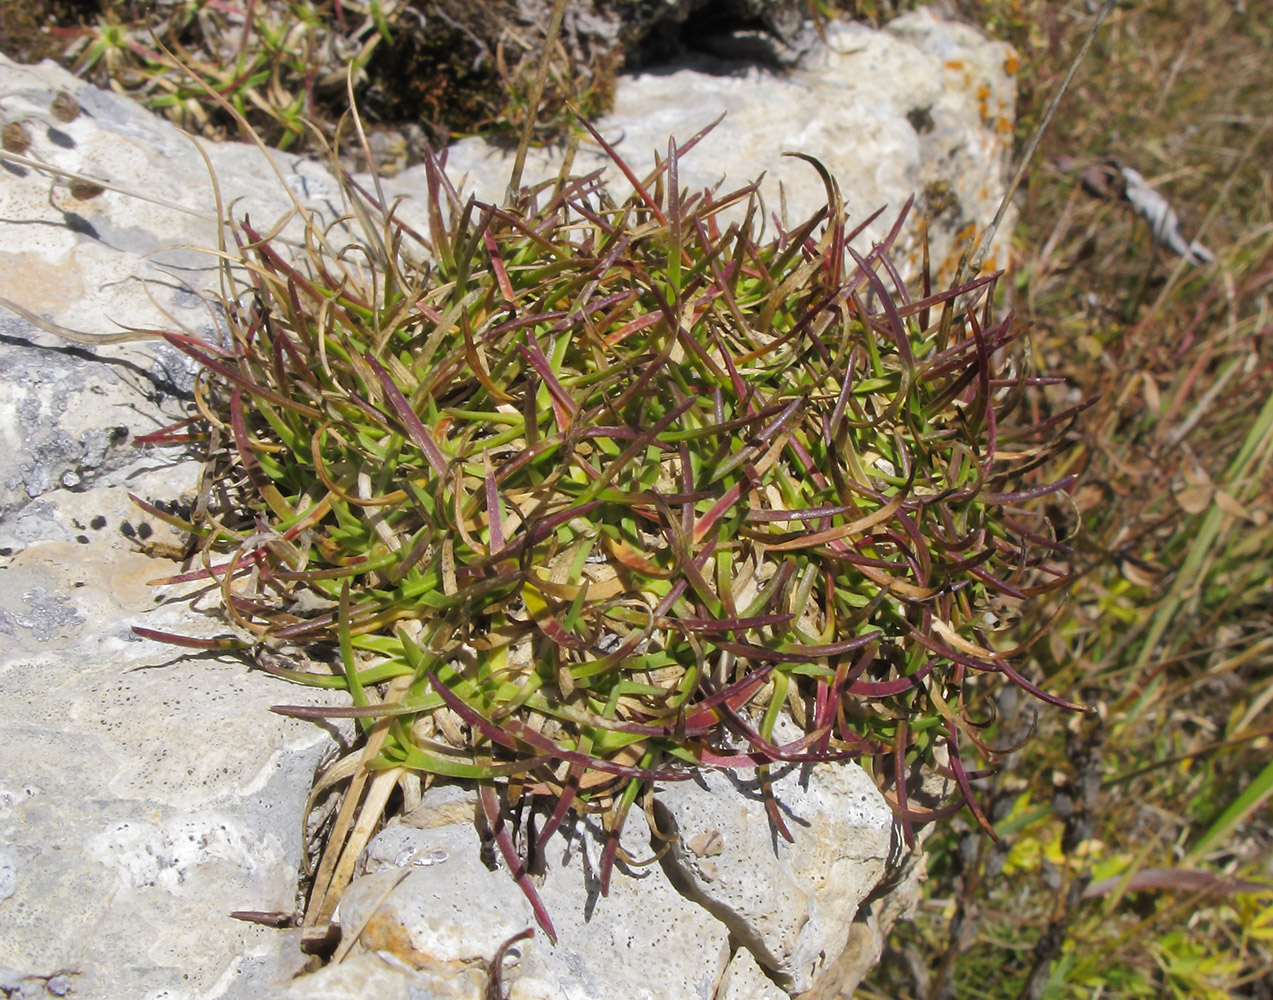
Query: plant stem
{"x": 532, "y": 103}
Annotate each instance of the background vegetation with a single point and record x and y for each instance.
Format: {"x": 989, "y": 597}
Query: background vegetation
{"x": 1132, "y": 842}
{"x": 1125, "y": 838}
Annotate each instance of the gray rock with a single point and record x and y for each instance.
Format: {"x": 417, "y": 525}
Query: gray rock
{"x": 443, "y": 915}
{"x": 380, "y": 976}
{"x": 744, "y": 979}
{"x": 429, "y": 902}
{"x": 68, "y": 411}
{"x": 145, "y": 792}
{"x": 790, "y": 904}
{"x": 732, "y": 913}
{"x": 643, "y": 941}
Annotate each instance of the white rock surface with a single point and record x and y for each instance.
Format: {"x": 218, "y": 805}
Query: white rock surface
{"x": 449, "y": 914}
{"x": 923, "y": 107}
{"x": 376, "y": 976}
{"x": 68, "y": 412}
{"x": 744, "y": 979}
{"x": 732, "y": 913}
{"x": 144, "y": 792}
{"x": 790, "y": 904}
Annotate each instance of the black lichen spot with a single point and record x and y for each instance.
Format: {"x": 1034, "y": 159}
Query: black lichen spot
{"x": 118, "y": 435}
{"x": 178, "y": 508}
{"x": 82, "y": 539}
{"x": 144, "y": 530}
{"x": 921, "y": 119}
{"x": 940, "y": 199}
{"x": 98, "y": 523}
{"x": 127, "y": 530}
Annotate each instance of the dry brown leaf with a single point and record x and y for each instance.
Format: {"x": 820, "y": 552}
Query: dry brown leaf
{"x": 1231, "y": 506}
{"x": 1139, "y": 573}
{"x": 1152, "y": 399}
{"x": 1194, "y": 499}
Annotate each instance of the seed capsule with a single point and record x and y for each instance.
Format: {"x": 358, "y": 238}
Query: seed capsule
{"x": 64, "y": 107}
{"x": 16, "y": 138}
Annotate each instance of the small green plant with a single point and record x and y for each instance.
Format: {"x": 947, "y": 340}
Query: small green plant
{"x": 604, "y": 489}
{"x": 275, "y": 63}
{"x": 447, "y": 66}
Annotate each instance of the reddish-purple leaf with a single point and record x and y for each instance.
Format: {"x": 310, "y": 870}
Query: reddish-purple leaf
{"x": 190, "y": 641}
{"x": 795, "y": 653}
{"x": 415, "y": 429}
{"x": 495, "y": 822}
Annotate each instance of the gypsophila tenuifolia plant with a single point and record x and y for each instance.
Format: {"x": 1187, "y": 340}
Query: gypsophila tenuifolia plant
{"x": 603, "y": 489}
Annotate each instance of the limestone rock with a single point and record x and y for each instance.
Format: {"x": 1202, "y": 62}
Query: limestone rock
{"x": 430, "y": 903}
{"x": 444, "y": 915}
{"x": 372, "y": 974}
{"x": 145, "y": 792}
{"x": 744, "y": 979}
{"x": 790, "y": 904}
{"x": 643, "y": 941}
{"x": 69, "y": 411}
{"x": 923, "y": 107}
{"x": 732, "y": 913}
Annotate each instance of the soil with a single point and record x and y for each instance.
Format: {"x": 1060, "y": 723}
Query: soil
{"x": 447, "y": 79}
{"x": 24, "y": 26}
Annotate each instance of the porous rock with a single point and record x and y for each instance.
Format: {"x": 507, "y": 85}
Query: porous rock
{"x": 744, "y": 979}
{"x": 145, "y": 792}
{"x": 430, "y": 903}
{"x": 732, "y": 912}
{"x": 791, "y": 904}
{"x": 104, "y": 264}
{"x": 376, "y": 976}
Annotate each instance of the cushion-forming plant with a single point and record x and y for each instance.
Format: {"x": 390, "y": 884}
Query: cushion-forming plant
{"x": 590, "y": 491}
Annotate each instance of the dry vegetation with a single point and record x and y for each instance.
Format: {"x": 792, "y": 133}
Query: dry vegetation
{"x": 1125, "y": 839}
